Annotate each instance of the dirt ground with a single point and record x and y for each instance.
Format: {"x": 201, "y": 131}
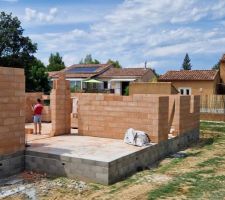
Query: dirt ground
{"x": 196, "y": 173}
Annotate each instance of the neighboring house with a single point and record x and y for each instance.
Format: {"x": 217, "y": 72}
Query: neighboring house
{"x": 194, "y": 82}
{"x": 119, "y": 79}
{"x": 112, "y": 79}
{"x": 78, "y": 73}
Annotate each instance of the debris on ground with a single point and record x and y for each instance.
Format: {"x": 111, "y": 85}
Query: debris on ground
{"x": 180, "y": 154}
{"x": 32, "y": 184}
{"x": 32, "y": 176}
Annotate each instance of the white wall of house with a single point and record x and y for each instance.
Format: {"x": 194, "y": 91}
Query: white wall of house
{"x": 116, "y": 84}
{"x": 117, "y": 87}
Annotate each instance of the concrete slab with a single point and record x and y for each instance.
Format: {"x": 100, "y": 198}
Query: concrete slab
{"x": 45, "y": 133}
{"x": 85, "y": 147}
{"x": 100, "y": 160}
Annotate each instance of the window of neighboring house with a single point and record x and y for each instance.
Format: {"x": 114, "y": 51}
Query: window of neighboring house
{"x": 94, "y": 86}
{"x": 78, "y": 85}
{"x": 75, "y": 85}
{"x": 181, "y": 91}
{"x": 72, "y": 84}
{"x": 185, "y": 91}
{"x": 105, "y": 84}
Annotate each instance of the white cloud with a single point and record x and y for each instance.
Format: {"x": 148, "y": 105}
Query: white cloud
{"x": 63, "y": 14}
{"x": 70, "y": 59}
{"x": 140, "y": 30}
{"x": 31, "y": 14}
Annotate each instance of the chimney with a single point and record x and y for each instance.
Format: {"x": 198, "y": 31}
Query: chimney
{"x": 145, "y": 64}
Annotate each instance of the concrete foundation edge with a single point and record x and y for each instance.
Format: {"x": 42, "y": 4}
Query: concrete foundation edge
{"x": 11, "y": 164}
{"x": 111, "y": 172}
{"x": 123, "y": 167}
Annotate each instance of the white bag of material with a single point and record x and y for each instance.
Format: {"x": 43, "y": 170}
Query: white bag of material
{"x": 137, "y": 138}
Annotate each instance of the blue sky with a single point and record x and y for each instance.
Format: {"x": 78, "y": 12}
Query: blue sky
{"x": 131, "y": 31}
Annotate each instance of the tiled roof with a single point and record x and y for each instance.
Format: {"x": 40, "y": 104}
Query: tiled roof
{"x": 128, "y": 72}
{"x": 83, "y": 75}
{"x": 189, "y": 75}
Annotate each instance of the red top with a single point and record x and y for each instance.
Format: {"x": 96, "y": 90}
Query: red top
{"x": 38, "y": 109}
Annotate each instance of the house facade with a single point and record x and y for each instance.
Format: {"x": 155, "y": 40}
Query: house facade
{"x": 198, "y": 82}
{"x": 193, "y": 82}
{"x": 106, "y": 77}
{"x": 119, "y": 79}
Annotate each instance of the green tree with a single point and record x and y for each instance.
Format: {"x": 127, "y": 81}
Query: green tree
{"x": 186, "y": 63}
{"x": 55, "y": 63}
{"x": 39, "y": 77}
{"x": 115, "y": 64}
{"x": 89, "y": 60}
{"x": 216, "y": 66}
{"x": 156, "y": 74}
{"x": 15, "y": 49}
{"x": 126, "y": 93}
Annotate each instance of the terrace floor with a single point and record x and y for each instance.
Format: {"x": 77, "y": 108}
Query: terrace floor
{"x": 94, "y": 148}
{"x": 45, "y": 133}
{"x": 84, "y": 157}
{"x": 85, "y": 147}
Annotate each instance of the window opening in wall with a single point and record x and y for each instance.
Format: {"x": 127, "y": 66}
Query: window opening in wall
{"x": 185, "y": 91}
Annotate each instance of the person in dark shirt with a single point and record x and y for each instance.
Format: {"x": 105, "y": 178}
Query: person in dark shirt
{"x": 37, "y": 109}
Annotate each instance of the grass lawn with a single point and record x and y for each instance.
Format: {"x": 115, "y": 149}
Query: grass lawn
{"x": 198, "y": 175}
{"x": 201, "y": 175}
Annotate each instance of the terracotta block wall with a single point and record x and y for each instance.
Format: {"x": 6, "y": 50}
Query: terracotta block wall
{"x": 46, "y": 114}
{"x": 184, "y": 113}
{"x": 12, "y": 110}
{"x": 61, "y": 107}
{"x": 105, "y": 115}
{"x": 31, "y": 99}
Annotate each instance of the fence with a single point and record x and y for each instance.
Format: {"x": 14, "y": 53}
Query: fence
{"x": 212, "y": 104}
{"x": 212, "y": 107}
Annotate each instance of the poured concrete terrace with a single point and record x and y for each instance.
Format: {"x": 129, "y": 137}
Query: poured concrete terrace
{"x": 94, "y": 159}
{"x": 85, "y": 147}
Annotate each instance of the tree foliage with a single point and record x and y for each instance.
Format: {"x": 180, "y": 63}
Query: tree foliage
{"x": 15, "y": 49}
{"x": 55, "y": 63}
{"x": 186, "y": 63}
{"x": 115, "y": 64}
{"x": 89, "y": 60}
{"x": 39, "y": 78}
{"x": 216, "y": 66}
{"x": 156, "y": 74}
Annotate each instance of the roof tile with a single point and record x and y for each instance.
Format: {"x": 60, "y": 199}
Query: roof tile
{"x": 189, "y": 75}
{"x": 115, "y": 72}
